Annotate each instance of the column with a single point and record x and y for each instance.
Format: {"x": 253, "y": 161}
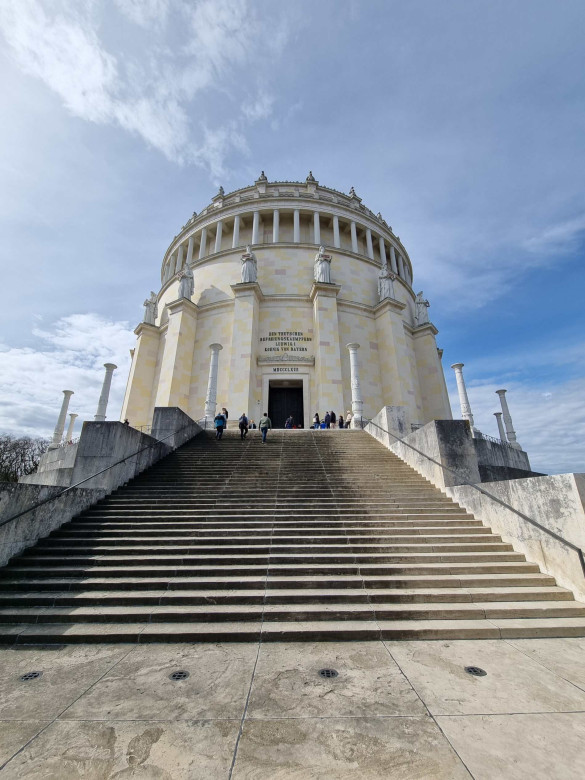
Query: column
{"x": 69, "y": 434}
{"x": 203, "y": 245}
{"x": 502, "y": 432}
{"x": 176, "y": 361}
{"x": 401, "y": 267}
{"x": 180, "y": 255}
{"x": 510, "y": 433}
{"x": 275, "y": 226}
{"x": 336, "y": 241}
{"x": 236, "y": 235}
{"x": 211, "y": 397}
{"x": 369, "y": 247}
{"x": 255, "y": 227}
{"x": 382, "y": 245}
{"x": 297, "y": 226}
{"x": 393, "y": 260}
{"x": 100, "y": 414}
{"x": 60, "y": 427}
{"x": 190, "y": 251}
{"x": 218, "y": 234}
{"x": 463, "y": 399}
{"x": 357, "y": 405}
{"x": 316, "y": 228}
{"x": 354, "y": 245}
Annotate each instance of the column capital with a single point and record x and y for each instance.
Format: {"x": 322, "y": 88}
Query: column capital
{"x": 110, "y": 366}
{"x": 354, "y": 345}
{"x": 457, "y": 366}
{"x": 69, "y": 393}
{"x": 215, "y": 347}
{"x": 500, "y": 393}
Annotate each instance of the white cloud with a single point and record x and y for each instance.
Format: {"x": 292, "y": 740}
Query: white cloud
{"x": 562, "y": 237}
{"x": 148, "y": 91}
{"x": 71, "y": 357}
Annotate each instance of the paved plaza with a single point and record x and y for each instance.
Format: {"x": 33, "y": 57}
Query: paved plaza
{"x": 400, "y": 710}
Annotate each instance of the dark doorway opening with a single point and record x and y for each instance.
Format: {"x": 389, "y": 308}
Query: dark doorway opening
{"x": 285, "y": 399}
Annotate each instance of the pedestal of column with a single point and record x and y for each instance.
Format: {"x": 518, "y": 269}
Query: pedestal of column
{"x": 138, "y": 403}
{"x": 60, "y": 427}
{"x": 243, "y": 392}
{"x": 211, "y": 396}
{"x": 328, "y": 377}
{"x": 177, "y": 359}
{"x": 434, "y": 397}
{"x": 397, "y": 389}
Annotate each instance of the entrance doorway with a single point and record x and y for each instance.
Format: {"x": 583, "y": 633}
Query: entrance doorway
{"x": 285, "y": 398}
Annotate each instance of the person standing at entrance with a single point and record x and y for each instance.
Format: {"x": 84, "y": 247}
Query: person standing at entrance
{"x": 264, "y": 425}
{"x": 333, "y": 419}
{"x": 327, "y": 420}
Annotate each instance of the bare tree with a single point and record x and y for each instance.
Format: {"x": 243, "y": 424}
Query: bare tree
{"x": 19, "y": 455}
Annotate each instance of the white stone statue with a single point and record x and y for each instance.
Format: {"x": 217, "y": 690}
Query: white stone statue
{"x": 150, "y": 309}
{"x": 422, "y": 310}
{"x": 186, "y": 283}
{"x": 386, "y": 283}
{"x": 249, "y": 266}
{"x": 322, "y": 267}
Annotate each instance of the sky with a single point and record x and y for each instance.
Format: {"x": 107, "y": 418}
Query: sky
{"x": 462, "y": 122}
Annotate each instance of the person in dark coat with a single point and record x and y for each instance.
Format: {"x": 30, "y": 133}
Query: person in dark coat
{"x": 220, "y": 423}
{"x": 327, "y": 420}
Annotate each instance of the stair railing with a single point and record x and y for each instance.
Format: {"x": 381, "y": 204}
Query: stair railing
{"x": 97, "y": 473}
{"x": 365, "y": 421}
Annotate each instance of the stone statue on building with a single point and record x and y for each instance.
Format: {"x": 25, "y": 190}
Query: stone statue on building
{"x": 422, "y": 310}
{"x": 186, "y": 283}
{"x": 262, "y": 176}
{"x": 386, "y": 283}
{"x": 322, "y": 267}
{"x": 150, "y": 309}
{"x": 249, "y": 266}
{"x": 310, "y": 177}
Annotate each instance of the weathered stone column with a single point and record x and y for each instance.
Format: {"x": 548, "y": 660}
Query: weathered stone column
{"x": 393, "y": 260}
{"x": 463, "y": 399}
{"x": 296, "y": 226}
{"x": 510, "y": 433}
{"x": 179, "y": 260}
{"x": 275, "y": 226}
{"x": 100, "y": 415}
{"x": 316, "y": 228}
{"x": 336, "y": 241}
{"x": 354, "y": 244}
{"x": 382, "y": 245}
{"x": 401, "y": 272}
{"x": 498, "y": 416}
{"x": 357, "y": 405}
{"x": 369, "y": 247}
{"x": 69, "y": 434}
{"x": 236, "y": 234}
{"x": 211, "y": 397}
{"x": 218, "y": 235}
{"x": 255, "y": 227}
{"x": 60, "y": 427}
{"x": 203, "y": 244}
{"x": 190, "y": 250}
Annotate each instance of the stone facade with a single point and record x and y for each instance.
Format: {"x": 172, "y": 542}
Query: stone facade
{"x": 286, "y": 329}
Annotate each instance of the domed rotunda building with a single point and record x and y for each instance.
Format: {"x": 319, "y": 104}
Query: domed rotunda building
{"x": 291, "y": 298}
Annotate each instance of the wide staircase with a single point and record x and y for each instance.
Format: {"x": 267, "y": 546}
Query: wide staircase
{"x": 313, "y": 535}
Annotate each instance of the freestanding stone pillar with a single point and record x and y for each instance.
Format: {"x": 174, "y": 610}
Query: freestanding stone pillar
{"x": 463, "y": 399}
{"x": 69, "y": 434}
{"x": 100, "y": 415}
{"x": 502, "y": 432}
{"x": 510, "y": 433}
{"x": 60, "y": 427}
{"x": 357, "y": 405}
{"x": 211, "y": 397}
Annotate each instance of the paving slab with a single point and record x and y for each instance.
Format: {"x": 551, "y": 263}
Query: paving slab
{"x": 346, "y": 748}
{"x": 67, "y": 672}
{"x": 514, "y": 682}
{"x": 139, "y": 686}
{"x": 287, "y": 682}
{"x": 14, "y": 734}
{"x": 564, "y": 656}
{"x": 163, "y": 750}
{"x": 547, "y": 746}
